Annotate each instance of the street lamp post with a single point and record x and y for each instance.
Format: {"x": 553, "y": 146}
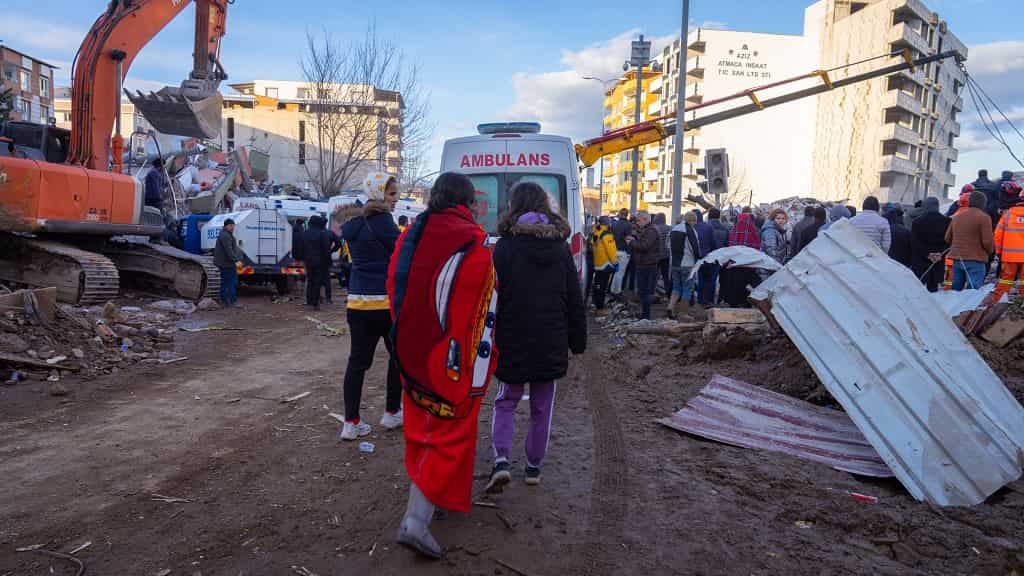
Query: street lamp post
{"x": 677, "y": 160}
{"x": 600, "y": 182}
{"x": 640, "y": 56}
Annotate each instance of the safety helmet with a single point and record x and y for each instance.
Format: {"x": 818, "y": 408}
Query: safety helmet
{"x": 1011, "y": 188}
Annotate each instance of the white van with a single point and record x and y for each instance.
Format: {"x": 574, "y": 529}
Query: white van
{"x": 506, "y": 153}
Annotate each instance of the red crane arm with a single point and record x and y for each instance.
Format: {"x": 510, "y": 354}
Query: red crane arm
{"x": 111, "y": 46}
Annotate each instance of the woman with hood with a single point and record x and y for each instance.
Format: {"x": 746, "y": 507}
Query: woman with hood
{"x": 370, "y": 233}
{"x": 773, "y": 236}
{"x": 441, "y": 287}
{"x": 540, "y": 319}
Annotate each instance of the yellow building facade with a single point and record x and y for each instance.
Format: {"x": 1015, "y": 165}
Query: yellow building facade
{"x": 619, "y": 110}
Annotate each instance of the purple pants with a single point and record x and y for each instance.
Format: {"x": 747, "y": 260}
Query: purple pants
{"x": 542, "y": 406}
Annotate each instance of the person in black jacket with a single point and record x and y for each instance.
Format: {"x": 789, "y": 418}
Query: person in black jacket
{"x": 297, "y": 230}
{"x": 316, "y": 247}
{"x": 540, "y": 318}
{"x": 928, "y": 242}
{"x": 901, "y": 245}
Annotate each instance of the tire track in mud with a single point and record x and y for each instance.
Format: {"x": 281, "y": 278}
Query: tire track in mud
{"x": 610, "y": 485}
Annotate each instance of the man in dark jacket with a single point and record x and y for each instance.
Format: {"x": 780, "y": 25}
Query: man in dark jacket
{"x": 644, "y": 245}
{"x": 928, "y": 242}
{"x": 818, "y": 218}
{"x": 991, "y": 191}
{"x": 225, "y": 256}
{"x": 621, "y": 228}
{"x": 900, "y": 244}
{"x": 154, "y": 185}
{"x": 706, "y": 235}
{"x": 661, "y": 225}
{"x": 335, "y": 246}
{"x": 709, "y": 272}
{"x": 316, "y": 248}
{"x": 799, "y": 227}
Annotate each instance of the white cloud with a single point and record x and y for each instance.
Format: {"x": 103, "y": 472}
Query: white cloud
{"x": 996, "y": 58}
{"x": 562, "y": 101}
{"x": 27, "y": 34}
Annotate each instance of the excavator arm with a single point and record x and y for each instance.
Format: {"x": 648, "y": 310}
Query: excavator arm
{"x": 103, "y": 61}
{"x": 663, "y": 127}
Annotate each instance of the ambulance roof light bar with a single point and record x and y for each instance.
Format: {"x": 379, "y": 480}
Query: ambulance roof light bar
{"x": 508, "y": 128}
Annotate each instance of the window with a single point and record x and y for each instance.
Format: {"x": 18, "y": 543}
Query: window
{"x": 270, "y": 92}
{"x": 44, "y": 114}
{"x": 492, "y": 192}
{"x": 25, "y": 107}
{"x": 44, "y": 87}
{"x": 10, "y": 73}
{"x": 302, "y": 153}
{"x": 302, "y": 93}
{"x": 302, "y": 130}
{"x": 26, "y": 80}
{"x": 231, "y": 128}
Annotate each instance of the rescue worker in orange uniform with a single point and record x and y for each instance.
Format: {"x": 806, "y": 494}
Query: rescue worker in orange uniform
{"x": 961, "y": 204}
{"x": 1009, "y": 242}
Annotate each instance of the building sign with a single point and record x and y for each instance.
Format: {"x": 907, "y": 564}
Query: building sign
{"x": 744, "y": 62}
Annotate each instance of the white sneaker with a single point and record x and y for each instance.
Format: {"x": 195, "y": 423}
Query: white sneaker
{"x": 352, "y": 431}
{"x": 392, "y": 421}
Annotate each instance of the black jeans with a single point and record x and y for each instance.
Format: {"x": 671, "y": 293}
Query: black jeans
{"x": 932, "y": 277}
{"x": 314, "y": 279}
{"x": 708, "y": 279}
{"x": 646, "y": 279}
{"x": 602, "y": 279}
{"x": 327, "y": 285}
{"x": 366, "y": 327}
{"x": 629, "y": 281}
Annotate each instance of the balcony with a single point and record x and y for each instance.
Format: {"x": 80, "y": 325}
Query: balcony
{"x": 915, "y": 7}
{"x": 954, "y": 128}
{"x": 900, "y": 99}
{"x": 958, "y": 104}
{"x": 697, "y": 47}
{"x": 651, "y": 175}
{"x": 917, "y": 75}
{"x": 656, "y": 84}
{"x": 654, "y": 108}
{"x": 897, "y": 164}
{"x": 901, "y": 133}
{"x": 903, "y": 36}
{"x": 953, "y": 154}
{"x": 652, "y": 152}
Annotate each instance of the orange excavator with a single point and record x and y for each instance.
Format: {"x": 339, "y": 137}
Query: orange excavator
{"x": 69, "y": 217}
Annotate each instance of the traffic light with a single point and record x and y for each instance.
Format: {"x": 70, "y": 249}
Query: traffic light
{"x": 716, "y": 164}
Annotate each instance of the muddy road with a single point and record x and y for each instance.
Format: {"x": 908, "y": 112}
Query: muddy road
{"x": 257, "y": 486}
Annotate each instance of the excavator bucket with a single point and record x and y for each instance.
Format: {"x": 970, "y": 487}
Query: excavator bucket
{"x": 171, "y": 111}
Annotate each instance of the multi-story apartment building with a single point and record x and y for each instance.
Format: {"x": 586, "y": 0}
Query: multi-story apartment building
{"x": 893, "y": 137}
{"x": 278, "y": 117}
{"x": 619, "y": 110}
{"x": 31, "y": 81}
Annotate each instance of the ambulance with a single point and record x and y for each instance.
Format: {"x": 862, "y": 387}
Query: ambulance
{"x": 504, "y": 154}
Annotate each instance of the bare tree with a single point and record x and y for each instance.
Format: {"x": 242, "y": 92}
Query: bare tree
{"x": 363, "y": 97}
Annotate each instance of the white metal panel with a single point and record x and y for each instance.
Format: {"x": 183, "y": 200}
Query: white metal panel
{"x": 920, "y": 393}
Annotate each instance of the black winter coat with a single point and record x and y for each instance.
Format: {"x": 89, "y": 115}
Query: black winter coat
{"x": 316, "y": 244}
{"x": 540, "y": 304}
{"x": 297, "y": 248}
{"x": 928, "y": 235}
{"x": 901, "y": 247}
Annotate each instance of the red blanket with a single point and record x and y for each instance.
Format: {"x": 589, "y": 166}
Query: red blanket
{"x": 442, "y": 291}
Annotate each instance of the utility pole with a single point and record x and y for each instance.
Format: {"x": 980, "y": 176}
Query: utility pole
{"x": 677, "y": 160}
{"x": 640, "y": 56}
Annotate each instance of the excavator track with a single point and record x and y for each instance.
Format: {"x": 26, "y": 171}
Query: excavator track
{"x": 165, "y": 269}
{"x": 81, "y": 277}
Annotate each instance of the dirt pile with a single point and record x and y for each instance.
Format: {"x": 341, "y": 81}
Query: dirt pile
{"x": 89, "y": 341}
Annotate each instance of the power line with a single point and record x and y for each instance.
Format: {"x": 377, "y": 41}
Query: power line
{"x": 987, "y": 120}
{"x": 1006, "y": 119}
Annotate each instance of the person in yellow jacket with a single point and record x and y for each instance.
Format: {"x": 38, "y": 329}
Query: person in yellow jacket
{"x": 1009, "y": 243}
{"x": 606, "y": 260}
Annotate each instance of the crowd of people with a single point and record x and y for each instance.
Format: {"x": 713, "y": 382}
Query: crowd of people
{"x": 951, "y": 251}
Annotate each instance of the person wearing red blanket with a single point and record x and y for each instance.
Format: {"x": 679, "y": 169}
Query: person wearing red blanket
{"x": 441, "y": 286}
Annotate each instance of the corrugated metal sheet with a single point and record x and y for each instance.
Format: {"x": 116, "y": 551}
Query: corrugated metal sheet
{"x": 737, "y": 413}
{"x": 956, "y": 303}
{"x": 920, "y": 393}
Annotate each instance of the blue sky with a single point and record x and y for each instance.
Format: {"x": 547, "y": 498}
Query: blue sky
{"x": 487, "y": 60}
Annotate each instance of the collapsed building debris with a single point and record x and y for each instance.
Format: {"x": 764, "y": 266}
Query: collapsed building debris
{"x": 933, "y": 409}
{"x": 737, "y": 413}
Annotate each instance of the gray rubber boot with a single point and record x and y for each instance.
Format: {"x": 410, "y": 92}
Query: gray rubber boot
{"x": 415, "y": 529}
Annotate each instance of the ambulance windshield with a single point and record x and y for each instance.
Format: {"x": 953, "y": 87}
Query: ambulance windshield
{"x": 492, "y": 194}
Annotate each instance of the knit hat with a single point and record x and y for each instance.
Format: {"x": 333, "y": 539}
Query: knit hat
{"x": 930, "y": 204}
{"x": 977, "y": 200}
{"x": 374, "y": 184}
